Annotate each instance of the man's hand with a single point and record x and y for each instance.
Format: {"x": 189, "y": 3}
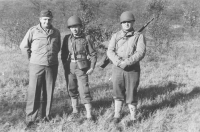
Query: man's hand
{"x": 89, "y": 72}
{"x": 122, "y": 64}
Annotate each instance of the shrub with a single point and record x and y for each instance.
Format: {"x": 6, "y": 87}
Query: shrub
{"x": 101, "y": 18}
{"x": 160, "y": 29}
{"x": 14, "y": 25}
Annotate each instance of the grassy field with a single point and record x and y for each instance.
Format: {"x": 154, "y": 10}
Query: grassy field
{"x": 169, "y": 95}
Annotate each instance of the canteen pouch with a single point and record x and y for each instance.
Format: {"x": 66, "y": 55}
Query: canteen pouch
{"x": 82, "y": 64}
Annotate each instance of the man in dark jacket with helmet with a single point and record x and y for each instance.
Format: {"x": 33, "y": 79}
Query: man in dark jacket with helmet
{"x": 79, "y": 59}
{"x": 125, "y": 50}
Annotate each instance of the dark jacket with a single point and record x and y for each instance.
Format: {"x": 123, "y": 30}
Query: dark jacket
{"x": 82, "y": 46}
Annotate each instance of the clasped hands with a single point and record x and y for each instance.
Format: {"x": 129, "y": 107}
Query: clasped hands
{"x": 122, "y": 64}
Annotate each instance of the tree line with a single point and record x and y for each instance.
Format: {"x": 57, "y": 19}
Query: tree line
{"x": 101, "y": 18}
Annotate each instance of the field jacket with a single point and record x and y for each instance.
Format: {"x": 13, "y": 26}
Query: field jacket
{"x": 42, "y": 47}
{"x": 82, "y": 46}
{"x": 130, "y": 47}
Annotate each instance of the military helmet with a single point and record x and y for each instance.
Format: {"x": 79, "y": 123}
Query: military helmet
{"x": 73, "y": 20}
{"x": 127, "y": 16}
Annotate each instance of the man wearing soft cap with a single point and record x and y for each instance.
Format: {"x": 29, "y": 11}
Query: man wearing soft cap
{"x": 41, "y": 44}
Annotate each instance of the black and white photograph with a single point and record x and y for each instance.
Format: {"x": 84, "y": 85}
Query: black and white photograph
{"x": 99, "y": 66}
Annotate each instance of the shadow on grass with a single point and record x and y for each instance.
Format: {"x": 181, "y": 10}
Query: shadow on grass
{"x": 153, "y": 91}
{"x": 15, "y": 112}
{"x": 12, "y": 112}
{"x": 61, "y": 105}
{"x": 102, "y": 96}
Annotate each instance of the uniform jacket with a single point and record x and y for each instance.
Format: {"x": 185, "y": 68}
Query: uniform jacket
{"x": 82, "y": 46}
{"x": 42, "y": 47}
{"x": 130, "y": 47}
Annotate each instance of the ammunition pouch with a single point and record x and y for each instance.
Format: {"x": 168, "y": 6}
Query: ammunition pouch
{"x": 82, "y": 61}
{"x": 104, "y": 61}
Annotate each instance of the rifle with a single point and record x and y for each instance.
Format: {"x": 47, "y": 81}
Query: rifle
{"x": 105, "y": 60}
{"x": 141, "y": 29}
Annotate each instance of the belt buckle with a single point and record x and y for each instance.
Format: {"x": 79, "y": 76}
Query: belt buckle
{"x": 73, "y": 60}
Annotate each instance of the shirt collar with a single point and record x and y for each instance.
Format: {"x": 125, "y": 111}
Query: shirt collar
{"x": 50, "y": 30}
{"x": 79, "y": 36}
{"x": 128, "y": 33}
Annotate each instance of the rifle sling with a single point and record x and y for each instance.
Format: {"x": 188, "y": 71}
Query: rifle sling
{"x": 134, "y": 43}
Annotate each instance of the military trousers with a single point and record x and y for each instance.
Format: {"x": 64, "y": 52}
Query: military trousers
{"x": 40, "y": 77}
{"x": 78, "y": 83}
{"x": 125, "y": 84}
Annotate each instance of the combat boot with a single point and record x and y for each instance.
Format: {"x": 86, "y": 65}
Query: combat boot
{"x": 74, "y": 105}
{"x": 75, "y": 112}
{"x": 89, "y": 115}
{"x": 118, "y": 108}
{"x": 133, "y": 109}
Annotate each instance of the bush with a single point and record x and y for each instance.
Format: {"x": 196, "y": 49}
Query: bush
{"x": 160, "y": 29}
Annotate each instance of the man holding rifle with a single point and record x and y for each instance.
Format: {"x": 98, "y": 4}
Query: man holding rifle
{"x": 105, "y": 60}
{"x": 126, "y": 49}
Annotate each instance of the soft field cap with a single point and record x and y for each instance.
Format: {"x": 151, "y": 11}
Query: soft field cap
{"x": 46, "y": 13}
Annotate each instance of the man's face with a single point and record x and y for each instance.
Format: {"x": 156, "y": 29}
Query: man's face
{"x": 127, "y": 25}
{"x": 45, "y": 22}
{"x": 76, "y": 29}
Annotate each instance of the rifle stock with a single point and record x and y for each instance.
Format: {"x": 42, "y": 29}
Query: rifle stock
{"x": 105, "y": 60}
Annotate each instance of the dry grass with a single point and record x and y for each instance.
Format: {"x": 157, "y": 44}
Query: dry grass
{"x": 168, "y": 95}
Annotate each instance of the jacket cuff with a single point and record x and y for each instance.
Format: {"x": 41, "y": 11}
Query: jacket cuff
{"x": 92, "y": 65}
{"x": 118, "y": 61}
{"x": 127, "y": 62}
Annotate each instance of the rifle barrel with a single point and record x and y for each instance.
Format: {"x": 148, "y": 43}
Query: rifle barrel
{"x": 141, "y": 29}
